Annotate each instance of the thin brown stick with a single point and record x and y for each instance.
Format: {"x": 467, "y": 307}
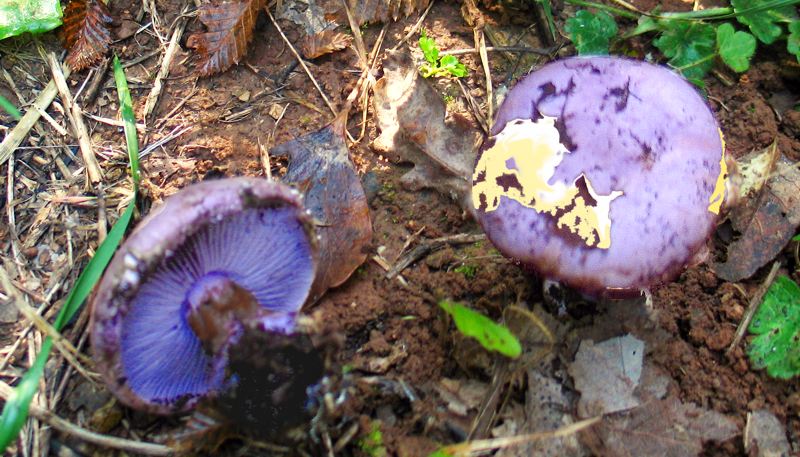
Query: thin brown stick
{"x": 69, "y": 428}
{"x": 75, "y": 117}
{"x": 755, "y": 302}
{"x": 428, "y": 246}
{"x": 18, "y": 134}
{"x": 301, "y": 62}
{"x": 163, "y": 72}
{"x": 480, "y": 45}
{"x": 358, "y": 39}
{"x": 415, "y": 28}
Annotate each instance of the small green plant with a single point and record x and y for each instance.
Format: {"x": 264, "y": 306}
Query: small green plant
{"x": 693, "y": 41}
{"x": 469, "y": 271}
{"x": 776, "y": 325}
{"x": 372, "y": 443}
{"x": 438, "y": 66}
{"x": 491, "y": 335}
{"x": 591, "y": 32}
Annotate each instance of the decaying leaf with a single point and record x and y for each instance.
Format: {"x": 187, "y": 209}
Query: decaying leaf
{"x": 765, "y": 435}
{"x": 766, "y": 221}
{"x": 661, "y": 428}
{"x": 230, "y": 29}
{"x": 324, "y": 42}
{"x": 606, "y": 374}
{"x": 412, "y": 119}
{"x": 373, "y": 11}
{"x": 85, "y": 32}
{"x": 320, "y": 167}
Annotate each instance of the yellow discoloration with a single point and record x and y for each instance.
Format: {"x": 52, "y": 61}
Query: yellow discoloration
{"x": 528, "y": 152}
{"x": 718, "y": 196}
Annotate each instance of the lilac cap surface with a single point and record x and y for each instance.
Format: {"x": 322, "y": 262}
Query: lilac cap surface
{"x": 244, "y": 231}
{"x": 604, "y": 173}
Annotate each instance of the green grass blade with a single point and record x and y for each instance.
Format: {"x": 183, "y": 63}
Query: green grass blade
{"x": 16, "y": 408}
{"x": 548, "y": 14}
{"x": 15, "y": 411}
{"x": 9, "y": 108}
{"x": 126, "y": 108}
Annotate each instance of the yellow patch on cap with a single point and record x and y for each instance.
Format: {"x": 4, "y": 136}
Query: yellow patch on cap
{"x": 521, "y": 164}
{"x": 718, "y": 196}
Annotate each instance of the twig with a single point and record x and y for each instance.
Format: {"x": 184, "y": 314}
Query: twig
{"x": 14, "y": 139}
{"x": 522, "y": 49}
{"x": 163, "y": 72}
{"x": 480, "y": 45}
{"x": 429, "y": 246}
{"x": 97, "y": 81}
{"x": 755, "y": 302}
{"x": 415, "y": 28}
{"x": 56, "y": 126}
{"x": 475, "y": 108}
{"x": 76, "y": 120}
{"x": 300, "y": 61}
{"x": 69, "y": 428}
{"x": 358, "y": 39}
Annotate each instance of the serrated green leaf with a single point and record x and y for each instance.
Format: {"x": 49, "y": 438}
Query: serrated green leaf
{"x": 429, "y": 49}
{"x": 777, "y": 326}
{"x": 764, "y": 24}
{"x": 793, "y": 40}
{"x": 15, "y": 410}
{"x": 491, "y": 335}
{"x": 689, "y": 46}
{"x": 591, "y": 32}
{"x": 735, "y": 48}
{"x": 34, "y": 16}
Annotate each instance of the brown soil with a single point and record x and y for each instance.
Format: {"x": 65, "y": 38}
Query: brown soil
{"x": 234, "y": 115}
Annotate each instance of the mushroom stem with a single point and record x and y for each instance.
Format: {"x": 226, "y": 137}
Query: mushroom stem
{"x": 217, "y": 306}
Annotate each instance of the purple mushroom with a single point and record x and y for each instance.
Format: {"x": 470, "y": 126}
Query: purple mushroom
{"x": 604, "y": 173}
{"x": 216, "y": 259}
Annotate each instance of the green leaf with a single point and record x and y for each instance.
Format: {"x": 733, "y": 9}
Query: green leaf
{"x": 591, "y": 32}
{"x": 763, "y": 24}
{"x": 793, "y": 40}
{"x": 777, "y": 326}
{"x": 689, "y": 46}
{"x": 796, "y": 238}
{"x": 9, "y": 108}
{"x": 440, "y": 453}
{"x": 35, "y": 16}
{"x": 15, "y": 411}
{"x": 451, "y": 65}
{"x": 492, "y": 336}
{"x": 429, "y": 49}
{"x": 735, "y": 48}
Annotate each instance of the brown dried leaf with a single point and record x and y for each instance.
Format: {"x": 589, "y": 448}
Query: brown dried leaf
{"x": 766, "y": 221}
{"x": 230, "y": 29}
{"x": 85, "y": 32}
{"x": 661, "y": 428}
{"x": 320, "y": 167}
{"x": 324, "y": 42}
{"x": 374, "y": 11}
{"x": 412, "y": 119}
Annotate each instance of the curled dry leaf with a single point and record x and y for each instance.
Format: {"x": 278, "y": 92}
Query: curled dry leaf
{"x": 230, "y": 29}
{"x": 320, "y": 167}
{"x": 324, "y": 42}
{"x": 414, "y": 128}
{"x": 85, "y": 32}
{"x": 766, "y": 221}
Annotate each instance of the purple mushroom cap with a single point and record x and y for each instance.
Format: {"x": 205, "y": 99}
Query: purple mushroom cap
{"x": 604, "y": 173}
{"x": 214, "y": 257}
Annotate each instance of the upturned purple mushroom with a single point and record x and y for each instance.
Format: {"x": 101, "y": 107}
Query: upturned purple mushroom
{"x": 216, "y": 259}
{"x": 604, "y": 173}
